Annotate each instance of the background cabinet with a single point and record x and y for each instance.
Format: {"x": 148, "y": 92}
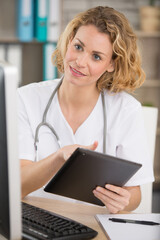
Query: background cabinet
{"x": 32, "y": 52}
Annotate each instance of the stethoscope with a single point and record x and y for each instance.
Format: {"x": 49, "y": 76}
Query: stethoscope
{"x": 44, "y": 122}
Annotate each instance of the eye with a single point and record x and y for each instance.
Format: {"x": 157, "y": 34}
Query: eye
{"x": 96, "y": 57}
{"x": 78, "y": 47}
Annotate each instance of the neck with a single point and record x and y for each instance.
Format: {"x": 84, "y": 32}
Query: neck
{"x": 71, "y": 94}
{"x": 77, "y": 102}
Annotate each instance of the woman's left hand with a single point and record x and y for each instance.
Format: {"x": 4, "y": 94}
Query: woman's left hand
{"x": 115, "y": 198}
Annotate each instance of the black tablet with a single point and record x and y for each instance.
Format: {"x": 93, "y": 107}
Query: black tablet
{"x": 85, "y": 170}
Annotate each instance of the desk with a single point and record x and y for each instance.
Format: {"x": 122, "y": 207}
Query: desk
{"x": 80, "y": 212}
{"x": 86, "y": 214}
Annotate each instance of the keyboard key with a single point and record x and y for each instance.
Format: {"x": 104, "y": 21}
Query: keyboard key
{"x": 41, "y": 224}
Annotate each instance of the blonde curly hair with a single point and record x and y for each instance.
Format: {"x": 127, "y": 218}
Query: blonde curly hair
{"x": 128, "y": 74}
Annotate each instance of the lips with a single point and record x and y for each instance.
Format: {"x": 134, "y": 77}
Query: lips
{"x": 76, "y": 72}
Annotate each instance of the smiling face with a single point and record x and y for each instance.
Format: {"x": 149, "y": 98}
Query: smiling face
{"x": 88, "y": 56}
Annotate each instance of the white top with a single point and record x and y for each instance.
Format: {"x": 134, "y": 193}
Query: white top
{"x": 125, "y": 127}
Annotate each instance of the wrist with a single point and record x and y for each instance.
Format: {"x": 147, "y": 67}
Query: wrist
{"x": 60, "y": 155}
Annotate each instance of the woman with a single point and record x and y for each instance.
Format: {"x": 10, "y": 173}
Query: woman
{"x": 98, "y": 56}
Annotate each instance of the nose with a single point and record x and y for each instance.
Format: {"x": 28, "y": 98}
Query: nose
{"x": 82, "y": 60}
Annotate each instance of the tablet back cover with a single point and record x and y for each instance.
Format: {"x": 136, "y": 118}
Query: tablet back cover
{"x": 85, "y": 170}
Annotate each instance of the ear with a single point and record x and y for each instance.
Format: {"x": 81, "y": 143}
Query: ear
{"x": 111, "y": 66}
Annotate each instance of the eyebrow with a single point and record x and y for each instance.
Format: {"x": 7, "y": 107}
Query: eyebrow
{"x": 96, "y": 52}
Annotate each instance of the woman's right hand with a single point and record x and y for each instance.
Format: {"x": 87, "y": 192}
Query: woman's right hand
{"x": 66, "y": 152}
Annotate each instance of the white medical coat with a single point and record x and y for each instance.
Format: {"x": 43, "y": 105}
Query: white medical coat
{"x": 125, "y": 127}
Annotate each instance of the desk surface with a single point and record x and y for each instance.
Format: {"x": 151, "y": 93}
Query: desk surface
{"x": 80, "y": 212}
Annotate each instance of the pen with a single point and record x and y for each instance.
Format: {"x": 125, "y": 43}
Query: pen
{"x": 133, "y": 221}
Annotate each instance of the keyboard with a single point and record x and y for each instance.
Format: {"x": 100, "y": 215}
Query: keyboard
{"x": 40, "y": 224}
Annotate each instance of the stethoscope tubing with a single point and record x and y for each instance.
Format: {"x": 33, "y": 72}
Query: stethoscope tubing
{"x": 44, "y": 122}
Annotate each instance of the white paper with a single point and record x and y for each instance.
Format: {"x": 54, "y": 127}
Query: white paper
{"x": 129, "y": 231}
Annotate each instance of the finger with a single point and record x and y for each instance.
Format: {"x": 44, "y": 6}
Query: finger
{"x": 119, "y": 190}
{"x": 114, "y": 198}
{"x": 112, "y": 209}
{"x": 107, "y": 200}
{"x": 93, "y": 146}
{"x": 108, "y": 193}
{"x": 119, "y": 194}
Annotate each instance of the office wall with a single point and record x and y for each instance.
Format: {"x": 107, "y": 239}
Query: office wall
{"x": 128, "y": 7}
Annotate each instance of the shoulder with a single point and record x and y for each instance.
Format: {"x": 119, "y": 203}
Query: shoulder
{"x": 121, "y": 100}
{"x": 122, "y": 105}
{"x": 39, "y": 88}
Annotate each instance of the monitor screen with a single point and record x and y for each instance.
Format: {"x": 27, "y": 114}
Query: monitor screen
{"x": 10, "y": 205}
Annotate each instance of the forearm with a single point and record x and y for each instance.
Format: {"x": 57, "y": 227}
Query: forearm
{"x": 34, "y": 175}
{"x": 135, "y": 198}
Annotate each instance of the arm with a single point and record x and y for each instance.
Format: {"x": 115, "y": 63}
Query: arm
{"x": 34, "y": 175}
{"x": 119, "y": 198}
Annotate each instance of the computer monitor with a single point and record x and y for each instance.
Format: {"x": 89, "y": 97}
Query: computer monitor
{"x": 10, "y": 204}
